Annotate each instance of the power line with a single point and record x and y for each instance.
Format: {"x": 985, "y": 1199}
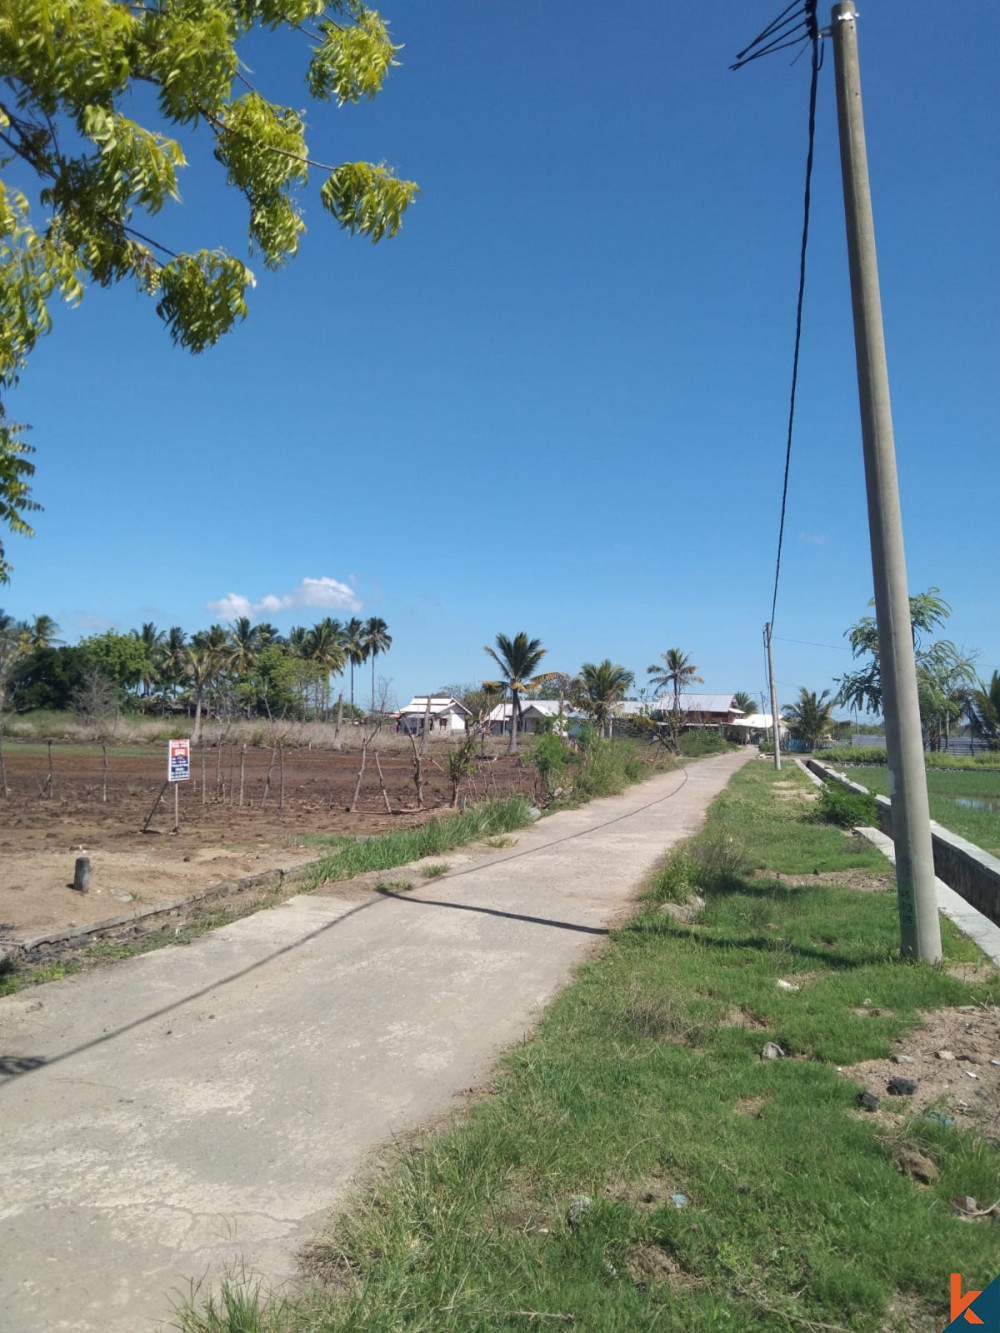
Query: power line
{"x": 791, "y": 29}
{"x": 808, "y": 643}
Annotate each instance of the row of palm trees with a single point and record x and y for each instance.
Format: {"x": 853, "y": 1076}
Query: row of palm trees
{"x": 597, "y": 688}
{"x": 329, "y": 648}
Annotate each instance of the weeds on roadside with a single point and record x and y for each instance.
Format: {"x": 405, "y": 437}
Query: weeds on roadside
{"x": 431, "y": 839}
{"x": 436, "y": 870}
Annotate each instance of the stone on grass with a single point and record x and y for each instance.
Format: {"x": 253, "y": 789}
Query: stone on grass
{"x": 578, "y": 1205}
{"x": 867, "y": 1101}
{"x": 771, "y": 1051}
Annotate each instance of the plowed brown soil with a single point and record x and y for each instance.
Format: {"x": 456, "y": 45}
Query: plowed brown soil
{"x": 44, "y": 827}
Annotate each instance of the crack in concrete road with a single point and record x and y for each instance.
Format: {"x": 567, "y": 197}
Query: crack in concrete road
{"x": 254, "y": 1069}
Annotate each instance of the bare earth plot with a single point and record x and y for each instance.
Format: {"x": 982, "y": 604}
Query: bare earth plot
{"x": 220, "y": 839}
{"x": 186, "y": 1106}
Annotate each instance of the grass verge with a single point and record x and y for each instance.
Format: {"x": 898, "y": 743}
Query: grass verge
{"x": 434, "y": 838}
{"x": 638, "y": 1164}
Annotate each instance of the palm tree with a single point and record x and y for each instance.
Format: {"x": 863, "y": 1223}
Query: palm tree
{"x": 354, "y": 643}
{"x": 984, "y": 710}
{"x": 517, "y": 659}
{"x": 244, "y": 646}
{"x": 678, "y": 669}
{"x": 811, "y": 718}
{"x": 327, "y": 651}
{"x": 208, "y": 654}
{"x": 170, "y": 658}
{"x": 746, "y": 703}
{"x": 598, "y": 689}
{"x": 41, "y": 632}
{"x": 376, "y": 639}
{"x": 151, "y": 639}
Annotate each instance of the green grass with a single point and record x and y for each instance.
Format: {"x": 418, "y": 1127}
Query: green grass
{"x": 979, "y": 826}
{"x": 434, "y": 838}
{"x": 638, "y": 1085}
{"x": 436, "y": 870}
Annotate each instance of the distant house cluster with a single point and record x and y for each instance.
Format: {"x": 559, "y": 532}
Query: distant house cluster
{"x": 443, "y": 715}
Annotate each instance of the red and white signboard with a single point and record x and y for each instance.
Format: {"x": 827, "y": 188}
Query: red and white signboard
{"x": 178, "y": 761}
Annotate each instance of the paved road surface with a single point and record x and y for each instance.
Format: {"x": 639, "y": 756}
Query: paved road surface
{"x": 215, "y": 1100}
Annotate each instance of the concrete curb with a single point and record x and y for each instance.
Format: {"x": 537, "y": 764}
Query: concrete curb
{"x": 979, "y": 928}
{"x": 971, "y": 922}
{"x": 60, "y": 942}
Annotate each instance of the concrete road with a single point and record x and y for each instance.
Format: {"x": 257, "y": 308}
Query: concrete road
{"x": 163, "y": 1115}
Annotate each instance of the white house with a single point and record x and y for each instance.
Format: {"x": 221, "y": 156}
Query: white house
{"x": 530, "y": 713}
{"x": 445, "y": 716}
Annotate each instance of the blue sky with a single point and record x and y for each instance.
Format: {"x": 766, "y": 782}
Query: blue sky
{"x": 557, "y": 401}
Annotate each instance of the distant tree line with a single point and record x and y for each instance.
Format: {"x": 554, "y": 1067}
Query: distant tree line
{"x": 242, "y": 670}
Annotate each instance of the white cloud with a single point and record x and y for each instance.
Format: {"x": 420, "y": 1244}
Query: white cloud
{"x": 816, "y": 538}
{"x": 323, "y": 594}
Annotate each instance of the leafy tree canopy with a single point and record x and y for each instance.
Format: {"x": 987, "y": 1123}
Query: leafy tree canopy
{"x": 944, "y": 672}
{"x": 100, "y": 177}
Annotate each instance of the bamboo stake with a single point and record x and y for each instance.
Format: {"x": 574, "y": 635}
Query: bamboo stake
{"x": 381, "y": 783}
{"x": 267, "y": 780}
{"x": 281, "y": 771}
{"x": 204, "y": 789}
{"x": 50, "y": 771}
{"x": 361, "y": 773}
{"x": 159, "y": 798}
{"x": 243, "y": 764}
{"x": 104, "y": 787}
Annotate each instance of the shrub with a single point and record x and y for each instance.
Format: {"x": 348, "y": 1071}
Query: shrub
{"x": 849, "y": 809}
{"x": 696, "y": 744}
{"x": 551, "y": 757}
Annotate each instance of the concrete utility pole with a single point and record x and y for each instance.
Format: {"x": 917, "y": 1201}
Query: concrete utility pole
{"x": 920, "y": 929}
{"x": 774, "y": 697}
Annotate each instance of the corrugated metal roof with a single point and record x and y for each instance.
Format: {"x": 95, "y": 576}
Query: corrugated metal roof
{"x": 533, "y": 708}
{"x": 440, "y": 703}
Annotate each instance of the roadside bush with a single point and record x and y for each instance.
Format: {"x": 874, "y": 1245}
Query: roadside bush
{"x": 849, "y": 809}
{"x": 672, "y": 882}
{"x": 551, "y": 757}
{"x": 697, "y": 744}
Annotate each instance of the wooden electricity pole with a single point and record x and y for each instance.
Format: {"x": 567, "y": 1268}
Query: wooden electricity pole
{"x": 920, "y": 929}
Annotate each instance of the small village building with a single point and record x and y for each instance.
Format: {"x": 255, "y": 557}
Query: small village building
{"x": 698, "y": 710}
{"x": 756, "y": 726}
{"x": 533, "y": 714}
{"x": 444, "y": 717}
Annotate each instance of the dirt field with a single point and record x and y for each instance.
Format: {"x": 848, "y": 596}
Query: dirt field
{"x": 43, "y": 830}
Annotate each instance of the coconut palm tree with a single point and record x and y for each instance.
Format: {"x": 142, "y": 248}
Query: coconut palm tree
{"x": 518, "y": 659}
{"x": 984, "y": 710}
{"x": 598, "y": 688}
{"x": 244, "y": 646}
{"x": 170, "y": 658}
{"x": 746, "y": 703}
{"x": 376, "y": 639}
{"x": 151, "y": 639}
{"x": 327, "y": 651}
{"x": 205, "y": 658}
{"x": 41, "y": 632}
{"x": 811, "y": 718}
{"x": 354, "y": 643}
{"x": 677, "y": 671}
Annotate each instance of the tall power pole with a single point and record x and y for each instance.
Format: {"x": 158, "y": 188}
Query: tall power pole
{"x": 920, "y": 929}
{"x": 774, "y": 696}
